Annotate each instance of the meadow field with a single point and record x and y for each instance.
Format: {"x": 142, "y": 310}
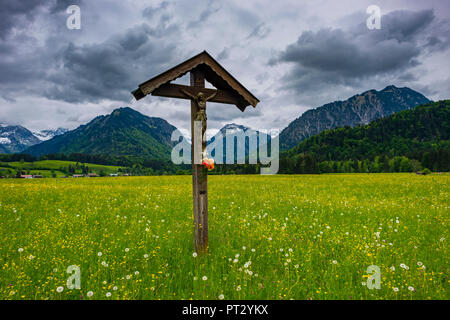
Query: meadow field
{"x": 271, "y": 237}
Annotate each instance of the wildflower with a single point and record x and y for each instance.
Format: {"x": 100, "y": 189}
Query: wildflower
{"x": 128, "y": 277}
{"x": 392, "y": 268}
{"x": 108, "y": 294}
{"x": 99, "y": 253}
{"x": 194, "y": 254}
{"x": 419, "y": 263}
{"x": 334, "y": 262}
{"x": 236, "y": 256}
{"x": 411, "y": 288}
{"x": 90, "y": 294}
{"x": 270, "y": 238}
{"x": 115, "y": 288}
{"x": 221, "y": 296}
{"x": 235, "y": 261}
{"x": 205, "y": 278}
{"x": 20, "y": 250}
{"x": 59, "y": 289}
{"x": 395, "y": 289}
{"x": 127, "y": 249}
{"x": 195, "y": 278}
{"x": 244, "y": 248}
{"x": 253, "y": 250}
{"x": 136, "y": 272}
{"x": 238, "y": 288}
{"x": 145, "y": 256}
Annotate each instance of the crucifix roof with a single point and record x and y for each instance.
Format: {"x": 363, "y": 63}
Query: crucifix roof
{"x": 229, "y": 90}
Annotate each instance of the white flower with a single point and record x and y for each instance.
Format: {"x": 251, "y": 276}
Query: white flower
{"x": 128, "y": 277}
{"x": 20, "y": 249}
{"x": 237, "y": 255}
{"x": 204, "y": 278}
{"x": 281, "y": 249}
{"x": 194, "y": 254}
{"x": 31, "y": 257}
{"x": 90, "y": 294}
{"x": 136, "y": 272}
{"x": 270, "y": 238}
{"x": 253, "y": 250}
{"x": 221, "y": 296}
{"x": 127, "y": 249}
{"x": 392, "y": 268}
{"x": 411, "y": 288}
{"x": 108, "y": 294}
{"x": 235, "y": 261}
{"x": 250, "y": 272}
{"x": 59, "y": 289}
{"x": 395, "y": 289}
{"x": 290, "y": 250}
{"x": 145, "y": 256}
{"x": 419, "y": 263}
{"x": 334, "y": 262}
{"x": 363, "y": 283}
{"x": 195, "y": 278}
{"x": 238, "y": 288}
{"x": 115, "y": 288}
{"x": 99, "y": 253}
{"x": 296, "y": 266}
{"x": 244, "y": 248}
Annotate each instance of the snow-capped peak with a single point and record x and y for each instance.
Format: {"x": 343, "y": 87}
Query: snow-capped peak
{"x": 44, "y": 135}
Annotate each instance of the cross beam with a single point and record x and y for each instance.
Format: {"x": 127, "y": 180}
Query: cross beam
{"x": 171, "y": 90}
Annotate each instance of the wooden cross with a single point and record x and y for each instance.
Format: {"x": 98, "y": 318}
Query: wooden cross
{"x": 228, "y": 91}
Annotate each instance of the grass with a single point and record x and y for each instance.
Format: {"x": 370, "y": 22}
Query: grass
{"x": 45, "y": 167}
{"x": 271, "y": 237}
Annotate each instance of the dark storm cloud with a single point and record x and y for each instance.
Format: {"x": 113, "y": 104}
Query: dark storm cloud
{"x": 336, "y": 57}
{"x": 16, "y": 14}
{"x": 111, "y": 69}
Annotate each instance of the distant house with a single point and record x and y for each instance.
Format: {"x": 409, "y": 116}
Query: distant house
{"x": 37, "y": 176}
{"x": 78, "y": 176}
{"x": 26, "y": 176}
{"x": 92, "y": 175}
{"x": 113, "y": 174}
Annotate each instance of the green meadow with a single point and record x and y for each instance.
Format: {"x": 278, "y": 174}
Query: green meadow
{"x": 271, "y": 237}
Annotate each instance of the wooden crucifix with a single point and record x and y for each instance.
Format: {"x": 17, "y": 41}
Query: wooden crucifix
{"x": 228, "y": 91}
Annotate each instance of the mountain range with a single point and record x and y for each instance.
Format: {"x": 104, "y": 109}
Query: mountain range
{"x": 359, "y": 109}
{"x": 14, "y": 139}
{"x": 126, "y": 132}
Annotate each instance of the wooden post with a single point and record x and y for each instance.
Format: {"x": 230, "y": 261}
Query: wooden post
{"x": 199, "y": 179}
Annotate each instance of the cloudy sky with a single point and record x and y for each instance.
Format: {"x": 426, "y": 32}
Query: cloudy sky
{"x": 293, "y": 55}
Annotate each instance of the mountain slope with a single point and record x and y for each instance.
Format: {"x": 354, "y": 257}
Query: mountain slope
{"x": 15, "y": 139}
{"x": 123, "y": 132}
{"x": 359, "y": 109}
{"x": 424, "y": 128}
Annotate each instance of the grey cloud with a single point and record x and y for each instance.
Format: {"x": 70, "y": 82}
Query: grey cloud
{"x": 210, "y": 9}
{"x": 336, "y": 58}
{"x": 108, "y": 70}
{"x": 20, "y": 14}
{"x": 224, "y": 54}
{"x": 260, "y": 31}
